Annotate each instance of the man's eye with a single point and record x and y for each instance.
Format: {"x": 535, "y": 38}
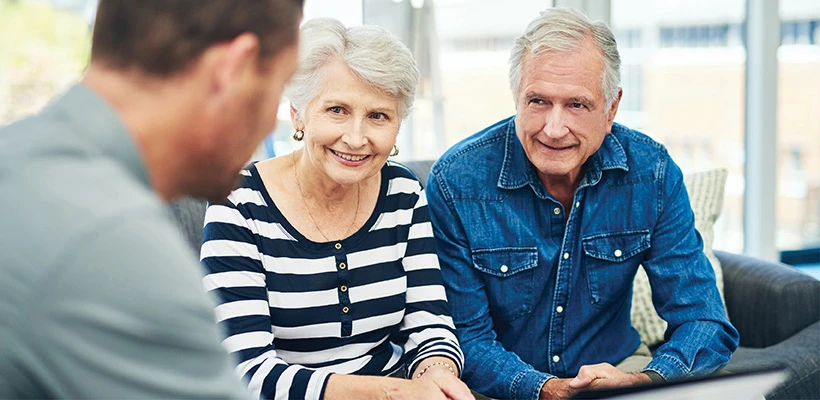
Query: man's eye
{"x": 378, "y": 115}
{"x": 577, "y": 105}
{"x": 536, "y": 101}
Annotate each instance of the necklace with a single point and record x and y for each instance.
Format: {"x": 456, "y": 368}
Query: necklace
{"x": 310, "y": 214}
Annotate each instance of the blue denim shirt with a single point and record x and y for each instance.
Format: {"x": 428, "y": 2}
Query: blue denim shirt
{"x": 534, "y": 296}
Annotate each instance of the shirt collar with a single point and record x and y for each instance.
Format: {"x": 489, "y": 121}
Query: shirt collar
{"x": 92, "y": 118}
{"x": 517, "y": 170}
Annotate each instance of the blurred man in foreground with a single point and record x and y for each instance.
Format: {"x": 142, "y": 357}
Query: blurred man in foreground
{"x": 100, "y": 296}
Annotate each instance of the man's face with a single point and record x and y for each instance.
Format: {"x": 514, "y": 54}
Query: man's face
{"x": 243, "y": 125}
{"x": 561, "y": 114}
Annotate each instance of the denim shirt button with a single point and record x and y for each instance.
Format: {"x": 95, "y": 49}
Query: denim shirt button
{"x": 559, "y": 309}
{"x": 504, "y": 269}
{"x": 577, "y": 204}
{"x": 618, "y": 253}
{"x": 556, "y": 211}
{"x": 556, "y": 358}
{"x": 566, "y": 256}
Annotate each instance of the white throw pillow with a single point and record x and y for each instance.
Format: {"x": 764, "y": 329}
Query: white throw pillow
{"x": 706, "y": 197}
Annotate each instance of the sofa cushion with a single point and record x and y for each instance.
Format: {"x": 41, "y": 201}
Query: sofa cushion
{"x": 706, "y": 198}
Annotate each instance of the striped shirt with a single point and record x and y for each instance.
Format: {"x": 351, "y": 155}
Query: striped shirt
{"x": 296, "y": 310}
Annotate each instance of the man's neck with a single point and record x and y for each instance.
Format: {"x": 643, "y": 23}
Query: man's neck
{"x": 562, "y": 187}
{"x": 142, "y": 103}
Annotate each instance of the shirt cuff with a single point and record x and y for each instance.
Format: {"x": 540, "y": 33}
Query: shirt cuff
{"x": 669, "y": 368}
{"x": 528, "y": 383}
{"x": 321, "y": 392}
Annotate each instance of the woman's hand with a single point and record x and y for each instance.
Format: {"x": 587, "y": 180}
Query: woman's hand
{"x": 443, "y": 373}
{"x": 448, "y": 384}
{"x": 438, "y": 381}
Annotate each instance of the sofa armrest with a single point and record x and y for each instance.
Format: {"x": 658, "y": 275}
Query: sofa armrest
{"x": 767, "y": 302}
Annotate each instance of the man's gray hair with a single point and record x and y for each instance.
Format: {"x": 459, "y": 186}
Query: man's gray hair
{"x": 371, "y": 52}
{"x": 564, "y": 29}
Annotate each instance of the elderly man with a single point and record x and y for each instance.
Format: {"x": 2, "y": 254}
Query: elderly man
{"x": 542, "y": 220}
{"x": 100, "y": 295}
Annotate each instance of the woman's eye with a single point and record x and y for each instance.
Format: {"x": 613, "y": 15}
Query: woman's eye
{"x": 378, "y": 116}
{"x": 335, "y": 110}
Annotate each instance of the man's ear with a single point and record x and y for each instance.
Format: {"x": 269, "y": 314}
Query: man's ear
{"x": 232, "y": 64}
{"x": 613, "y": 109}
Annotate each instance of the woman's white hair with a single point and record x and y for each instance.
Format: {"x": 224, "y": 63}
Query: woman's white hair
{"x": 371, "y": 52}
{"x": 564, "y": 29}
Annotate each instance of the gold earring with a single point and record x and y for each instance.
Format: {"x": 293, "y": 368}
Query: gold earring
{"x": 395, "y": 151}
{"x": 298, "y": 135}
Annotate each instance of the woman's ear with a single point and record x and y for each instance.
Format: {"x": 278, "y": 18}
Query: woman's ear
{"x": 296, "y": 119}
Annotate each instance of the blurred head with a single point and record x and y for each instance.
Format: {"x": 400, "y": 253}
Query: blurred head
{"x": 227, "y": 62}
{"x": 353, "y": 88}
{"x": 164, "y": 37}
{"x": 564, "y": 75}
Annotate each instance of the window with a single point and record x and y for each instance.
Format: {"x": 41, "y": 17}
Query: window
{"x": 628, "y": 38}
{"x": 690, "y": 70}
{"x": 797, "y": 32}
{"x": 695, "y": 36}
{"x": 632, "y": 84}
{"x": 815, "y": 26}
{"x": 798, "y": 127}
{"x": 693, "y": 87}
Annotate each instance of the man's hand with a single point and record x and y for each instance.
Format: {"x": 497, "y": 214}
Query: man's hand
{"x": 556, "y": 389}
{"x": 604, "y": 375}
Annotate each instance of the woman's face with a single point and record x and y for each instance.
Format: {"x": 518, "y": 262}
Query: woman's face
{"x": 350, "y": 128}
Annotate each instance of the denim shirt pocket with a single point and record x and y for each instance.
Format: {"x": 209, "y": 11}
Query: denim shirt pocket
{"x": 508, "y": 275}
{"x": 610, "y": 262}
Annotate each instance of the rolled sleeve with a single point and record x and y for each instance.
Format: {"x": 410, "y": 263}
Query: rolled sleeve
{"x": 699, "y": 339}
{"x": 527, "y": 384}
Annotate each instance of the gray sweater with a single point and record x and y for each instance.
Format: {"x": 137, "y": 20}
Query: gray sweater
{"x": 99, "y": 294}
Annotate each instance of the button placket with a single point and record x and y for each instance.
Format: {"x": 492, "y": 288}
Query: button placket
{"x": 343, "y": 285}
{"x": 565, "y": 266}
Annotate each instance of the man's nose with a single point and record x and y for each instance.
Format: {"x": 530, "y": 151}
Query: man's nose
{"x": 555, "y": 126}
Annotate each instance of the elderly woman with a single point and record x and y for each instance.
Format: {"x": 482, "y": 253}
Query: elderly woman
{"x": 324, "y": 259}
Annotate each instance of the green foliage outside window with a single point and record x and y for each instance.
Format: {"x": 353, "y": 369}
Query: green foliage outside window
{"x": 42, "y": 51}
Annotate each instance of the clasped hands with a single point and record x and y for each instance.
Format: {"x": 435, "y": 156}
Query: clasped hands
{"x": 597, "y": 376}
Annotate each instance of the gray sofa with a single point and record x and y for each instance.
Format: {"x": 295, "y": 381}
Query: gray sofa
{"x": 775, "y": 307}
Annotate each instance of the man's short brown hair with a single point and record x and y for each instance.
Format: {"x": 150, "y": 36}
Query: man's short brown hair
{"x": 162, "y": 37}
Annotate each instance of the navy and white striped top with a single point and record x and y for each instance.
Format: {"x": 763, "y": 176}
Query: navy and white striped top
{"x": 296, "y": 311}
